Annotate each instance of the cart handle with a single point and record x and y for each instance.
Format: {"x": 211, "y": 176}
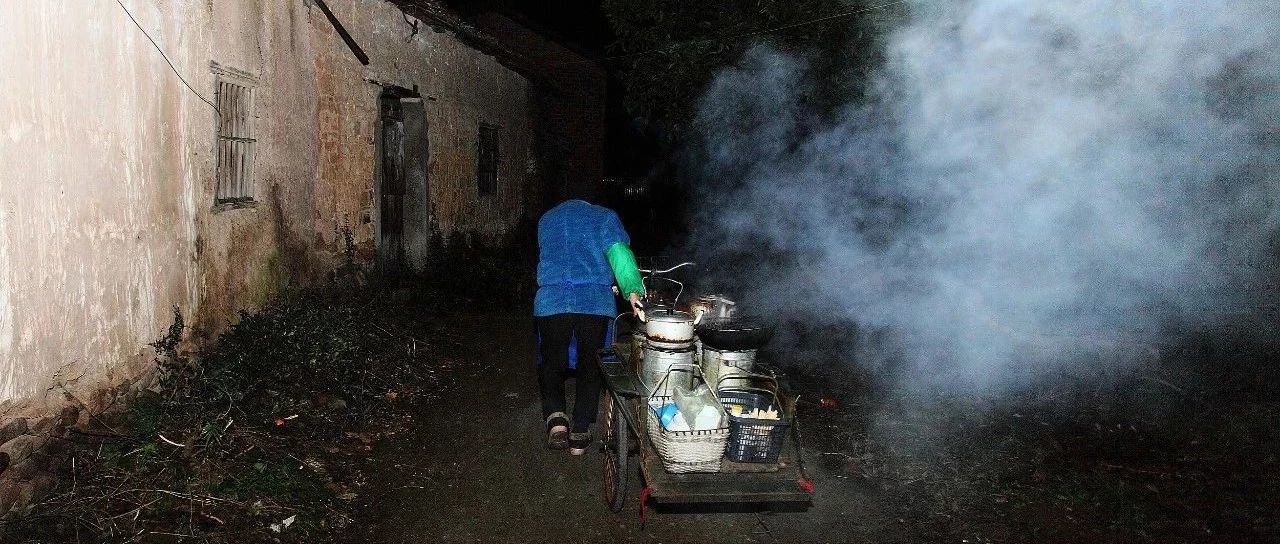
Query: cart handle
{"x": 651, "y": 271}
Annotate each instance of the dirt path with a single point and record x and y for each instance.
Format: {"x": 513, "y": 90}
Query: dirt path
{"x": 472, "y": 468}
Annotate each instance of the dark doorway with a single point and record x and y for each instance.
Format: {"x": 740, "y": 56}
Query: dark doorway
{"x": 391, "y": 189}
{"x": 404, "y": 219}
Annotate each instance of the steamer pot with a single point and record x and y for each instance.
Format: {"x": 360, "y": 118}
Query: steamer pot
{"x": 711, "y": 307}
{"x": 657, "y": 362}
{"x": 669, "y": 327}
{"x": 728, "y": 369}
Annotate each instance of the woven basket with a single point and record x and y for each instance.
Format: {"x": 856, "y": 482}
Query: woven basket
{"x": 685, "y": 451}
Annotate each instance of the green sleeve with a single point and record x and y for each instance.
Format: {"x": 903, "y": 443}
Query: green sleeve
{"x": 625, "y": 270}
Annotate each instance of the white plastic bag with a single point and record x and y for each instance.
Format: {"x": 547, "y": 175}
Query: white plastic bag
{"x": 699, "y": 408}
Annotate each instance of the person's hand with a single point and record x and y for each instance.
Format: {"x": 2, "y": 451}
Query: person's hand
{"x": 637, "y": 309}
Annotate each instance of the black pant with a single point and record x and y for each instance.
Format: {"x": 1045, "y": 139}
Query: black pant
{"x": 554, "y": 334}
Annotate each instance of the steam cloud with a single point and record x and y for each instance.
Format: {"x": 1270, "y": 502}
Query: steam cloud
{"x": 1027, "y": 178}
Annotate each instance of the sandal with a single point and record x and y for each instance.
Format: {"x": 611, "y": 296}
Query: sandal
{"x": 578, "y": 443}
{"x": 557, "y": 431}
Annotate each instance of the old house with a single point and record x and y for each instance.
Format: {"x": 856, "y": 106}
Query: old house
{"x": 200, "y": 155}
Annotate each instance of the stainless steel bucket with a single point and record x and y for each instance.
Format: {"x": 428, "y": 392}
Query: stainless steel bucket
{"x": 658, "y": 361}
{"x": 727, "y": 369}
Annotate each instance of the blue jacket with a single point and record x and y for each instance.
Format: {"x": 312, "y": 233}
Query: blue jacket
{"x": 573, "y": 270}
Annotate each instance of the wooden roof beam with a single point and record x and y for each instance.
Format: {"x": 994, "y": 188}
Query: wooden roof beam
{"x": 346, "y": 37}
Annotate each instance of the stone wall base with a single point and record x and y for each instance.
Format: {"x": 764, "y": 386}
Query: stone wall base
{"x": 35, "y": 449}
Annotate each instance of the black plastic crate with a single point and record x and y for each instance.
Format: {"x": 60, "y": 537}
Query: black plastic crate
{"x": 754, "y": 440}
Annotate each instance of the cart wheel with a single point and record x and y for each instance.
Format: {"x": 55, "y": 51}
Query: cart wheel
{"x": 614, "y": 443}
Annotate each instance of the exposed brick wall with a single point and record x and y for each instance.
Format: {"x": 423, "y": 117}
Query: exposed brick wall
{"x": 462, "y": 88}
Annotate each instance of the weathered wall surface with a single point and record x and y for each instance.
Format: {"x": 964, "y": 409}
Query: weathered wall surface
{"x": 244, "y": 254}
{"x": 570, "y": 105}
{"x": 494, "y": 95}
{"x": 462, "y": 88}
{"x": 107, "y": 216}
{"x": 98, "y": 185}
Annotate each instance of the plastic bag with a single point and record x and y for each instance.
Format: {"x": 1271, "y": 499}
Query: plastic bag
{"x": 699, "y": 408}
{"x": 669, "y": 417}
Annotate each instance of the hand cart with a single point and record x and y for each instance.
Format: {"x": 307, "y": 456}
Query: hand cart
{"x": 625, "y": 442}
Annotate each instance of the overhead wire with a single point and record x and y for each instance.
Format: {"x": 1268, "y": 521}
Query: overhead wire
{"x": 831, "y": 17}
{"x": 166, "y": 57}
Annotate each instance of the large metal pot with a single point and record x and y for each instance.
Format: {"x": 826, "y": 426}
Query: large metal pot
{"x": 669, "y": 327}
{"x": 658, "y": 362}
{"x": 711, "y": 307}
{"x": 727, "y": 369}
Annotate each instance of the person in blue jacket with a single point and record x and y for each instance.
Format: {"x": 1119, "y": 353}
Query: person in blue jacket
{"x": 582, "y": 251}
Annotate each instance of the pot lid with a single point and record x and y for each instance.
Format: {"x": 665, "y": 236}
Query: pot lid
{"x": 670, "y": 316}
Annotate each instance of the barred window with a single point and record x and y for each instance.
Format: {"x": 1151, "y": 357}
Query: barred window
{"x": 235, "y": 143}
{"x": 487, "y": 160}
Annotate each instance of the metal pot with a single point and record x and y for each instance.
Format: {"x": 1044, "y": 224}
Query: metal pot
{"x": 669, "y": 327}
{"x": 658, "y": 362}
{"x": 660, "y": 359}
{"x": 667, "y": 345}
{"x": 711, "y": 306}
{"x": 727, "y": 369}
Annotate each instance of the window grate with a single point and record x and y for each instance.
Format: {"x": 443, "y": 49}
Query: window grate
{"x": 487, "y": 160}
{"x": 235, "y": 143}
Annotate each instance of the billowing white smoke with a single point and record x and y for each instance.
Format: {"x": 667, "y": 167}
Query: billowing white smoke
{"x": 1027, "y": 178}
